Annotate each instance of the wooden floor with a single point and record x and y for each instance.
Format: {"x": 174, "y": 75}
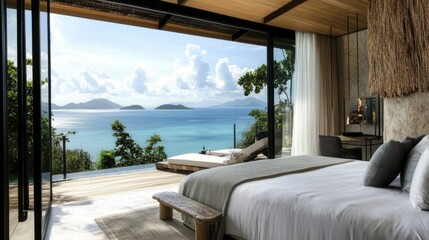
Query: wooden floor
{"x": 103, "y": 186}
{"x": 77, "y": 203}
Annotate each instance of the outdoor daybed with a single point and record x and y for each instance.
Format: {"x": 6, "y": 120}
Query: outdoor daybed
{"x": 191, "y": 162}
{"x": 315, "y": 197}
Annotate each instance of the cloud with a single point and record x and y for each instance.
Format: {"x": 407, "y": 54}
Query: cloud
{"x": 87, "y": 82}
{"x": 56, "y": 34}
{"x": 139, "y": 79}
{"x": 181, "y": 83}
{"x": 193, "y": 51}
{"x": 227, "y": 74}
{"x": 11, "y": 54}
{"x": 195, "y": 73}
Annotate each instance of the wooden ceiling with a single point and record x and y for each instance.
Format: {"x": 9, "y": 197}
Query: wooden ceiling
{"x": 316, "y": 16}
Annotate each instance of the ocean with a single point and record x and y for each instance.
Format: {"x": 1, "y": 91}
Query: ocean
{"x": 181, "y": 131}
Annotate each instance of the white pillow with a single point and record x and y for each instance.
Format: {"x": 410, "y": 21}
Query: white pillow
{"x": 419, "y": 192}
{"x": 411, "y": 163}
{"x": 236, "y": 157}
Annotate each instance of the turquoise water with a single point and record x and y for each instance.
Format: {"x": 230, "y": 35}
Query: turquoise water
{"x": 181, "y": 131}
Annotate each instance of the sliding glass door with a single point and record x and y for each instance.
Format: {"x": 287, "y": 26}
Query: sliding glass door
{"x": 4, "y": 162}
{"x": 283, "y": 68}
{"x": 26, "y": 130}
{"x": 45, "y": 114}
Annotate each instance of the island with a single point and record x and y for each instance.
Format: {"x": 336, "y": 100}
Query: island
{"x": 99, "y": 103}
{"x": 171, "y": 106}
{"x": 132, "y": 107}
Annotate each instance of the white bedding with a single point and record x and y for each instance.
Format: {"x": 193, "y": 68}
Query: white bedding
{"x": 329, "y": 203}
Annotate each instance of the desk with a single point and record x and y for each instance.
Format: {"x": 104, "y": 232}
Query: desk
{"x": 365, "y": 140}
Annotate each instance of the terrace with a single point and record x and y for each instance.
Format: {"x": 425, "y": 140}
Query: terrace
{"x": 78, "y": 202}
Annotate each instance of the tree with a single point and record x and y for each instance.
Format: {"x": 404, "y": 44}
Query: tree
{"x": 54, "y": 152}
{"x": 254, "y": 81}
{"x": 152, "y": 153}
{"x": 77, "y": 160}
{"x": 106, "y": 159}
{"x": 12, "y": 106}
{"x": 128, "y": 153}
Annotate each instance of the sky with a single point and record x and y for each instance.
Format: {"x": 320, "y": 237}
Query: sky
{"x": 133, "y": 65}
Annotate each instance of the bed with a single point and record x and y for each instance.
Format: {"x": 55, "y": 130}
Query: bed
{"x": 323, "y": 202}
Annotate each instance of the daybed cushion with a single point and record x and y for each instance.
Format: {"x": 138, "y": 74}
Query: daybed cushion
{"x": 223, "y": 152}
{"x": 198, "y": 160}
{"x": 385, "y": 164}
{"x": 419, "y": 192}
{"x": 411, "y": 163}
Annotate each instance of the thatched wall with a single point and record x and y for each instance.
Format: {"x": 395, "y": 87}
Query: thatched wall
{"x": 398, "y": 47}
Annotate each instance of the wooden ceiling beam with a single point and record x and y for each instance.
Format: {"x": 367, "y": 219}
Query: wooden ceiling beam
{"x": 182, "y": 2}
{"x": 167, "y": 17}
{"x": 164, "y": 21}
{"x": 238, "y": 34}
{"x": 204, "y": 16}
{"x": 287, "y": 7}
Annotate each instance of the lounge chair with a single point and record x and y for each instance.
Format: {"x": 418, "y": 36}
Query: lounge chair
{"x": 191, "y": 162}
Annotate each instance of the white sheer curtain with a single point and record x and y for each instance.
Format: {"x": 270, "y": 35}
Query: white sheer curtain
{"x": 315, "y": 91}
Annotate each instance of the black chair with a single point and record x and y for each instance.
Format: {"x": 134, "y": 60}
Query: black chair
{"x": 330, "y": 146}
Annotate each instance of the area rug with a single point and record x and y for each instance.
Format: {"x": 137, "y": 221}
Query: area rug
{"x": 144, "y": 224}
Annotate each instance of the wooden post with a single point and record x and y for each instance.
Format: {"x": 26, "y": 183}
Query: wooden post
{"x": 165, "y": 213}
{"x": 202, "y": 231}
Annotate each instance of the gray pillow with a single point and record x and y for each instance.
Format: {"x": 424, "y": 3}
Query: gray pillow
{"x": 411, "y": 163}
{"x": 419, "y": 191}
{"x": 385, "y": 164}
{"x": 411, "y": 142}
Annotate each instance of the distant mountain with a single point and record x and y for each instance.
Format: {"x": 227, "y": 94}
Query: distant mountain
{"x": 245, "y": 102}
{"x": 55, "y": 106}
{"x": 171, "y": 106}
{"x": 99, "y": 103}
{"x": 132, "y": 107}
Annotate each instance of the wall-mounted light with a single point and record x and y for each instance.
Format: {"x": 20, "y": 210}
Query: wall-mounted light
{"x": 357, "y": 116}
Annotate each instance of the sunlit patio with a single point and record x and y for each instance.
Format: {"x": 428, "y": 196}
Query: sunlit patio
{"x": 78, "y": 202}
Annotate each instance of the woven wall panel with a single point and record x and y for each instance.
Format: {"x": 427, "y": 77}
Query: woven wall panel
{"x": 398, "y": 47}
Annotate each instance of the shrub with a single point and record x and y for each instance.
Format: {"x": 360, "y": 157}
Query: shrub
{"x": 106, "y": 159}
{"x": 154, "y": 153}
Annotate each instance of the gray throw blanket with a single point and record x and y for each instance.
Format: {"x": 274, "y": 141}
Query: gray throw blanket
{"x": 213, "y": 187}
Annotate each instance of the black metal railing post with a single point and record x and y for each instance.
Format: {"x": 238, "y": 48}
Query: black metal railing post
{"x": 235, "y": 137}
{"x": 64, "y": 158}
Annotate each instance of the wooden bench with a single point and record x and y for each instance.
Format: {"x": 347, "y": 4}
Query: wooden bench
{"x": 203, "y": 215}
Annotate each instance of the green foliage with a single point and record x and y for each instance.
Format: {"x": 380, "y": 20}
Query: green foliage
{"x": 154, "y": 153}
{"x": 12, "y": 105}
{"x": 106, "y": 159}
{"x": 77, "y": 160}
{"x": 255, "y": 81}
{"x": 128, "y": 153}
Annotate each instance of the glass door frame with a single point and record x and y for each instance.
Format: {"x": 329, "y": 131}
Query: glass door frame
{"x": 40, "y": 220}
{"x": 40, "y": 223}
{"x": 4, "y": 180}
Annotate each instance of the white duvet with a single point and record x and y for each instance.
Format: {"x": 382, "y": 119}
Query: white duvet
{"x": 329, "y": 203}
